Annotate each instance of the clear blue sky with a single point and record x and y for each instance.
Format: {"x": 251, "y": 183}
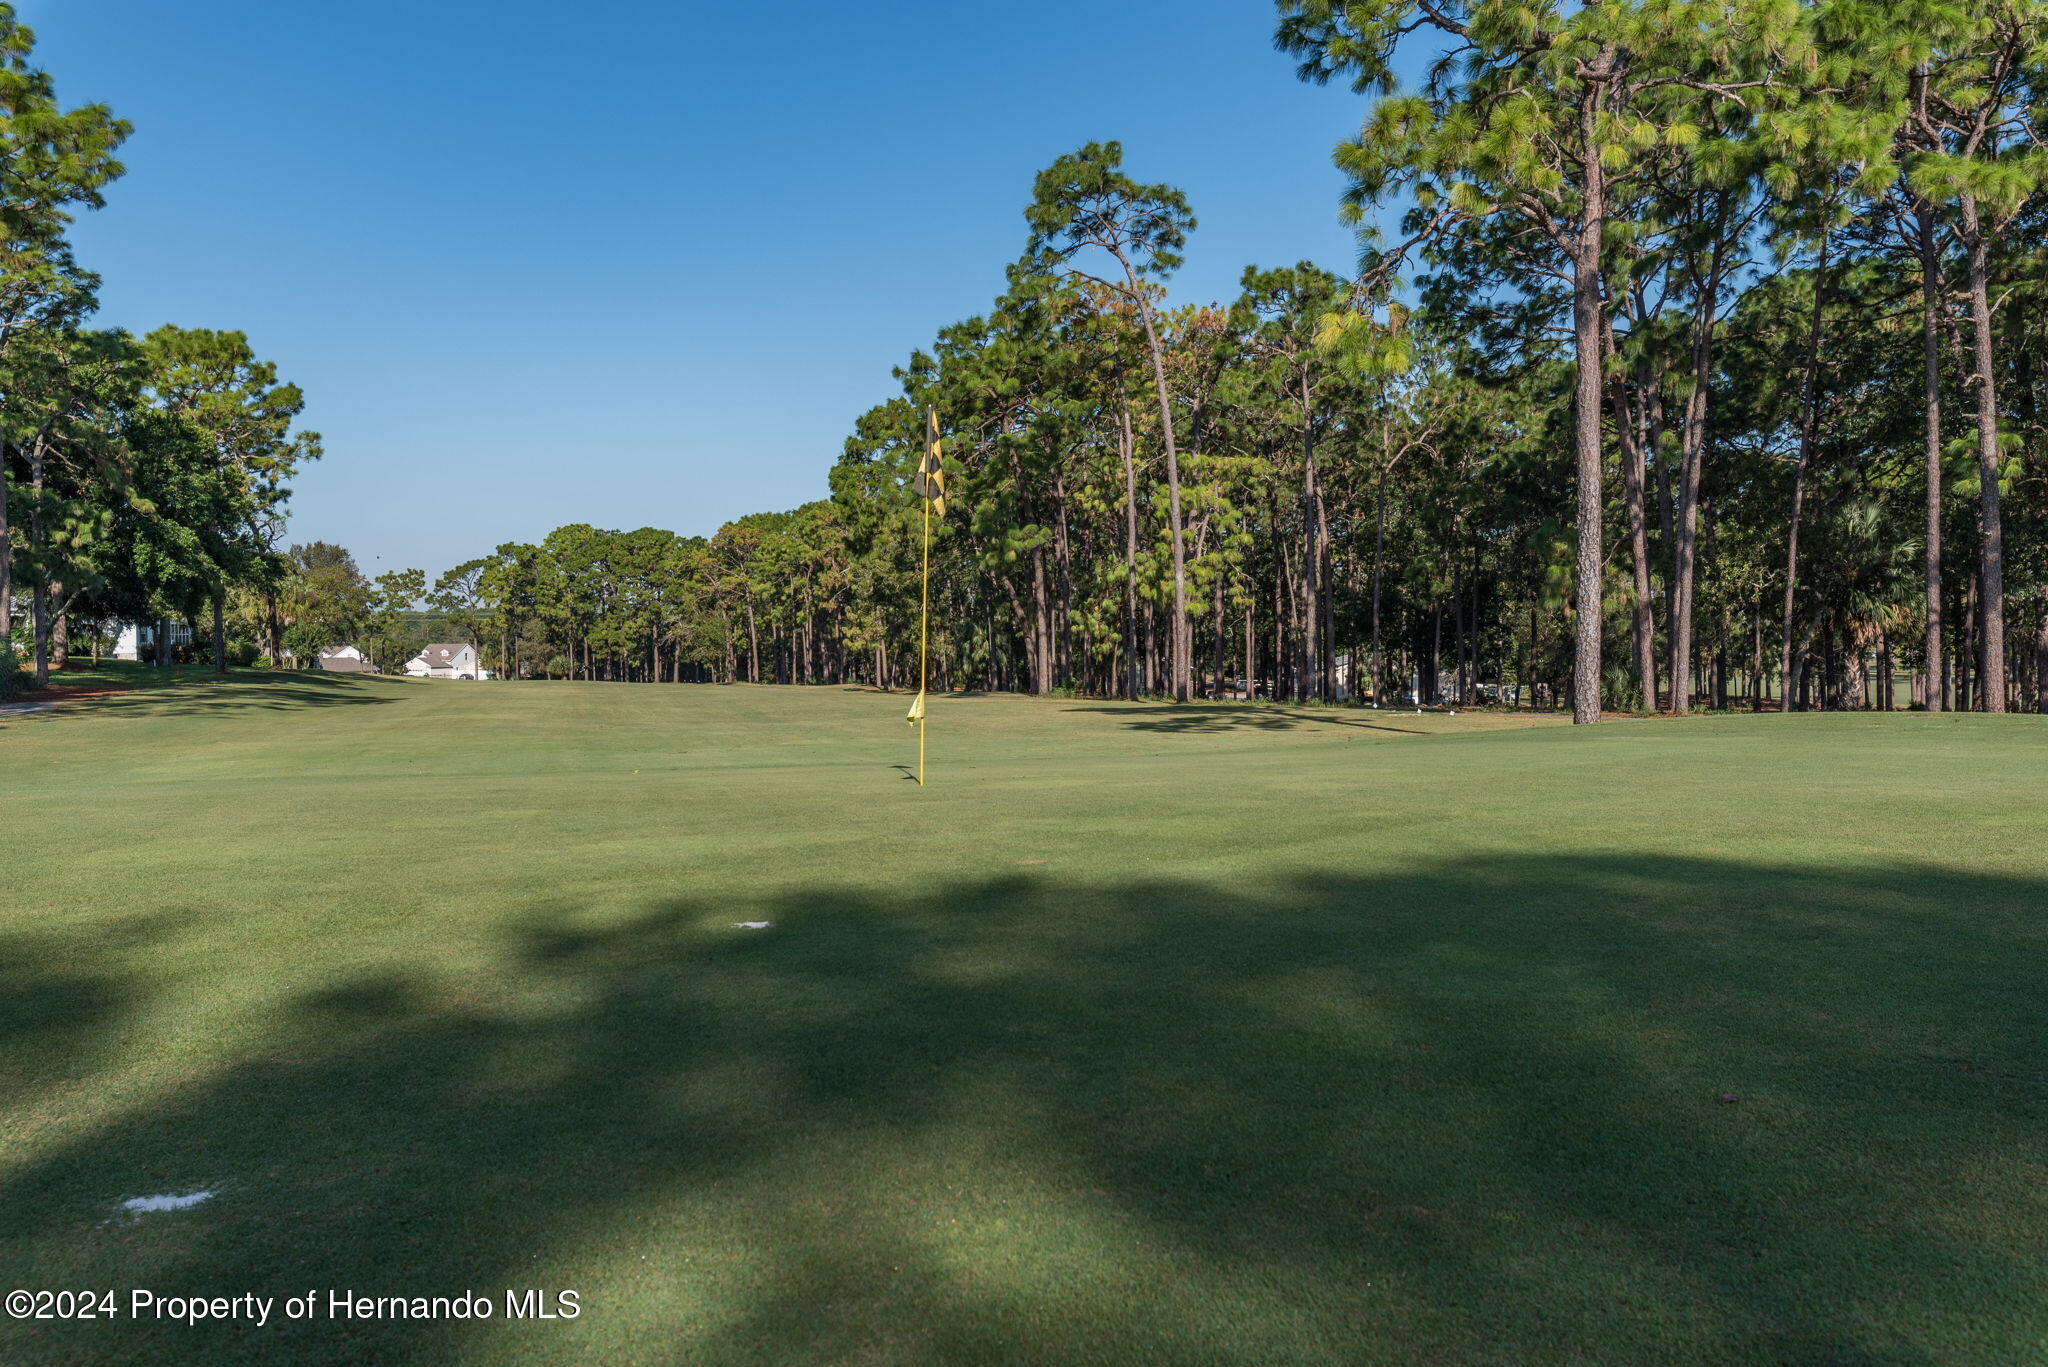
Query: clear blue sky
{"x": 639, "y": 263}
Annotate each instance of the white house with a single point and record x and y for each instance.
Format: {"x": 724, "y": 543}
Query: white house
{"x": 343, "y": 660}
{"x": 137, "y": 640}
{"x": 451, "y": 661}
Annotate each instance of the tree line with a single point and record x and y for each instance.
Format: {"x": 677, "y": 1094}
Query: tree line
{"x": 1697, "y": 356}
{"x": 141, "y": 479}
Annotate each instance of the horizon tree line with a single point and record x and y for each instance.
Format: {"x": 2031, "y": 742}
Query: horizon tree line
{"x": 1697, "y": 356}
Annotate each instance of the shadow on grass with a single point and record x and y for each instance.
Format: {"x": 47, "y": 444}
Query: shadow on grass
{"x": 1457, "y": 1114}
{"x": 1209, "y": 719}
{"x": 192, "y": 693}
{"x": 65, "y": 996}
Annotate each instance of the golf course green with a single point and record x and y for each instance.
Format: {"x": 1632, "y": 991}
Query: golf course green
{"x": 1210, "y": 1034}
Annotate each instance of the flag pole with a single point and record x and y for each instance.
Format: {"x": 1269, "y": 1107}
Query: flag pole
{"x": 924, "y": 610}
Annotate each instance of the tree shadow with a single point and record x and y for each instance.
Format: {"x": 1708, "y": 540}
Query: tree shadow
{"x": 205, "y": 695}
{"x": 1211, "y": 719}
{"x": 67, "y": 996}
{"x": 1465, "y": 1113}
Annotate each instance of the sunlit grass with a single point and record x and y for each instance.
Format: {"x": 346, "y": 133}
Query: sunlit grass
{"x": 1153, "y": 1034}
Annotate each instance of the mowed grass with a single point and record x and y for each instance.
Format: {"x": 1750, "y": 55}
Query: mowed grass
{"x": 1204, "y": 1035}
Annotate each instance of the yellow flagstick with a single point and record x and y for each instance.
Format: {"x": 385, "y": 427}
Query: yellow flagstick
{"x": 924, "y": 612}
{"x": 930, "y": 483}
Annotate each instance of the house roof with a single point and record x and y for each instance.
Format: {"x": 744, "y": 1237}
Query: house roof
{"x": 441, "y": 653}
{"x": 343, "y": 664}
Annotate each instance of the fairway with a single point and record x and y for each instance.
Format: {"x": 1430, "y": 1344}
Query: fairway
{"x": 1198, "y": 1034}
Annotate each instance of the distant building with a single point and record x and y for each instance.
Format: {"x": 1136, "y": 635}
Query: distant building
{"x": 137, "y": 640}
{"x": 448, "y": 661}
{"x": 343, "y": 660}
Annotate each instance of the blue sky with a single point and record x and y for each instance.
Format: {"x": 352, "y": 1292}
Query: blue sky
{"x": 639, "y": 263}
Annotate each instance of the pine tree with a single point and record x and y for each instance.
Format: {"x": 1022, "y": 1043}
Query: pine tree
{"x": 1084, "y": 202}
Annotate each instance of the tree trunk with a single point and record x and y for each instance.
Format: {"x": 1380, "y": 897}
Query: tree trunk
{"x": 1808, "y": 421}
{"x": 6, "y": 597}
{"x": 2041, "y": 657}
{"x": 1587, "y": 312}
{"x": 1063, "y": 564}
{"x": 1528, "y": 680}
{"x": 1279, "y": 621}
{"x": 1991, "y": 534}
{"x": 1326, "y": 622}
{"x": 1802, "y": 662}
{"x": 1127, "y": 448}
{"x": 1436, "y": 657}
{"x": 39, "y": 632}
{"x": 1251, "y": 657}
{"x": 1311, "y": 550}
{"x": 1041, "y": 626}
{"x": 1966, "y": 658}
{"x": 1931, "y": 292}
{"x": 273, "y": 628}
{"x": 1151, "y": 661}
{"x": 1692, "y": 454}
{"x": 1379, "y": 557}
{"x": 1178, "y": 635}
{"x": 220, "y": 630}
{"x": 1756, "y": 659}
{"x": 1643, "y": 624}
{"x": 1455, "y": 694}
{"x": 753, "y": 641}
{"x": 39, "y": 595}
{"x": 1471, "y": 680}
{"x": 1216, "y": 651}
{"x": 1298, "y": 622}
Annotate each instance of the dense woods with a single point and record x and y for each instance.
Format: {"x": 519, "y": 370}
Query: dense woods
{"x": 1697, "y": 357}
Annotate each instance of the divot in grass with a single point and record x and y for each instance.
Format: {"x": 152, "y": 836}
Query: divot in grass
{"x": 751, "y": 925}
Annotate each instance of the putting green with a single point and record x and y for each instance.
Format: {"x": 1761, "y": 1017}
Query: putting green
{"x": 1205, "y": 1035}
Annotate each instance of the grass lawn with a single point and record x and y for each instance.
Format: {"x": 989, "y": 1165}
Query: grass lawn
{"x": 1203, "y": 1035}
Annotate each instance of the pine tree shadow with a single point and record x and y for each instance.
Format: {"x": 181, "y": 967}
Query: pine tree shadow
{"x": 1464, "y": 1113}
{"x": 68, "y": 995}
{"x": 1223, "y": 718}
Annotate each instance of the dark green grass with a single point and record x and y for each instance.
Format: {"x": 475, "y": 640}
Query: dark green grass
{"x": 1188, "y": 1035}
